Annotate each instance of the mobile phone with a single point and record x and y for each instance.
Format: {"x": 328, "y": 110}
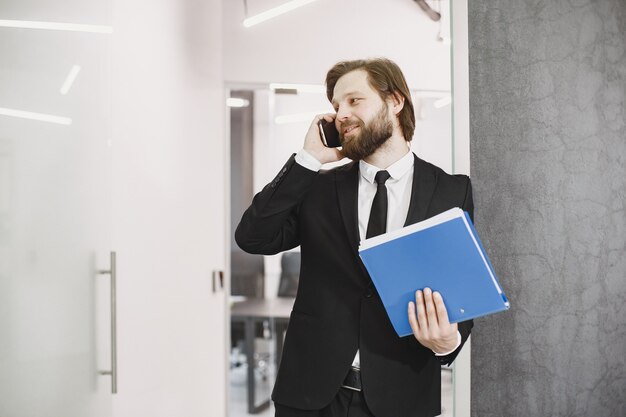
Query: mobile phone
{"x": 329, "y": 133}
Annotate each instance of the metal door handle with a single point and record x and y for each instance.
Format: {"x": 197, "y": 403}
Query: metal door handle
{"x": 218, "y": 279}
{"x": 113, "y": 372}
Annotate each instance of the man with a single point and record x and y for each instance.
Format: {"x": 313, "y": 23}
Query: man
{"x": 341, "y": 355}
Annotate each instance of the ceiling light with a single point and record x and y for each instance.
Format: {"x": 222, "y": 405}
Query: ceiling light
{"x": 35, "y": 116}
{"x": 72, "y": 27}
{"x": 237, "y": 102}
{"x": 69, "y": 80}
{"x": 276, "y": 11}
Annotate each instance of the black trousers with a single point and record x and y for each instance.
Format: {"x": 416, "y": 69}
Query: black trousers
{"x": 347, "y": 403}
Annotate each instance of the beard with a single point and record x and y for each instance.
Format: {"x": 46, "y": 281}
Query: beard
{"x": 371, "y": 136}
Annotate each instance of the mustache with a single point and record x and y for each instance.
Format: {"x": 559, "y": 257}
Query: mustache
{"x": 347, "y": 124}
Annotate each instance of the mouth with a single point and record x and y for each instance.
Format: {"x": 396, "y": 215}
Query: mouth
{"x": 350, "y": 129}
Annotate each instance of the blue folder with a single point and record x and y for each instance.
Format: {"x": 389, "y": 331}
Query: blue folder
{"x": 442, "y": 253}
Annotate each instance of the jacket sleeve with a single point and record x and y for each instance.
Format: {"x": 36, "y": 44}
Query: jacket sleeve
{"x": 465, "y": 327}
{"x": 270, "y": 224}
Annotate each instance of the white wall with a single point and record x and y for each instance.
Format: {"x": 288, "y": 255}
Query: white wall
{"x": 169, "y": 215}
{"x": 302, "y": 45}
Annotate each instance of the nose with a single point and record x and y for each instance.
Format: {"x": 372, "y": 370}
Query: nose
{"x": 343, "y": 113}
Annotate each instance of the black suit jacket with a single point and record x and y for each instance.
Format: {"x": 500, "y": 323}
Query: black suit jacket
{"x": 337, "y": 310}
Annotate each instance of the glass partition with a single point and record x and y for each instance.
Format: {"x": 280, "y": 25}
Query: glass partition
{"x": 286, "y": 50}
{"x": 54, "y": 208}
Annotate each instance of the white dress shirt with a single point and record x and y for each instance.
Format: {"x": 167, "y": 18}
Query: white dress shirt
{"x": 398, "y": 198}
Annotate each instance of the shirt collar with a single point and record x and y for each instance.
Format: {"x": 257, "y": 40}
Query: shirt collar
{"x": 397, "y": 170}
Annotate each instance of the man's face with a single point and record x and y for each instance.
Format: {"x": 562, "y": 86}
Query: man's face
{"x": 363, "y": 118}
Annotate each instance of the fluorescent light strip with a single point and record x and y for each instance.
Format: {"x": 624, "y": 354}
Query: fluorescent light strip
{"x": 297, "y": 117}
{"x": 237, "y": 102}
{"x": 302, "y": 88}
{"x": 72, "y": 27}
{"x": 276, "y": 11}
{"x": 35, "y": 116}
{"x": 442, "y": 102}
{"x": 69, "y": 80}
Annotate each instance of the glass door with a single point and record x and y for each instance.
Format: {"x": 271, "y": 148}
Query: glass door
{"x": 54, "y": 208}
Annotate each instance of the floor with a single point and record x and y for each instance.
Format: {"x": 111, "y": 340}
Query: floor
{"x": 238, "y": 404}
{"x": 238, "y": 398}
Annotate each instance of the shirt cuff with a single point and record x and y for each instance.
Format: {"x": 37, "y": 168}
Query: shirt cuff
{"x": 308, "y": 161}
{"x": 458, "y": 343}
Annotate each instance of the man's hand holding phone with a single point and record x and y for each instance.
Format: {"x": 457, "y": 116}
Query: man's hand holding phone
{"x": 313, "y": 141}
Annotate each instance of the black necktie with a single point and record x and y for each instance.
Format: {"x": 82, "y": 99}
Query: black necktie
{"x": 377, "y": 223}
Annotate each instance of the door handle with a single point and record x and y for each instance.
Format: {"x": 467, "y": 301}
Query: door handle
{"x": 113, "y": 274}
{"x": 218, "y": 280}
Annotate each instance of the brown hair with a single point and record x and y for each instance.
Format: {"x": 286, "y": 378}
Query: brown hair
{"x": 385, "y": 77}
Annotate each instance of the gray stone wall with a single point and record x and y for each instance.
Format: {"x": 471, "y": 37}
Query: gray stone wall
{"x": 548, "y": 163}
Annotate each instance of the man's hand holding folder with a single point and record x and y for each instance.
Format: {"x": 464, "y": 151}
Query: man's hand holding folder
{"x": 431, "y": 326}
{"x": 442, "y": 253}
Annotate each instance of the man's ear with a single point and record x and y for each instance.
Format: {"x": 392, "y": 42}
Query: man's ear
{"x": 397, "y": 101}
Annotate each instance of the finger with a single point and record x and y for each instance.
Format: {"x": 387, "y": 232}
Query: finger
{"x": 318, "y": 117}
{"x": 421, "y": 310}
{"x": 442, "y": 313}
{"x": 329, "y": 117}
{"x": 413, "y": 319}
{"x": 430, "y": 308}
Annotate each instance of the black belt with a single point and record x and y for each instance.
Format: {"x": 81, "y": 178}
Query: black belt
{"x": 353, "y": 380}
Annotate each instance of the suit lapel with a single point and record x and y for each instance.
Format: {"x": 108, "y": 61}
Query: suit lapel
{"x": 347, "y": 194}
{"x": 348, "y": 197}
{"x": 424, "y": 182}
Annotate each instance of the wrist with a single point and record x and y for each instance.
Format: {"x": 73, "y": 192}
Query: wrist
{"x": 448, "y": 349}
{"x": 324, "y": 155}
{"x": 446, "y": 346}
{"x": 313, "y": 153}
{"x": 304, "y": 158}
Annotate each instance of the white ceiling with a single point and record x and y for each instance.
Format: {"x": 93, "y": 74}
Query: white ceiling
{"x": 302, "y": 45}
